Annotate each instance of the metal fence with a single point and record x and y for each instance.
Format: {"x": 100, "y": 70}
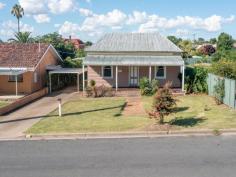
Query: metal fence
{"x": 230, "y": 89}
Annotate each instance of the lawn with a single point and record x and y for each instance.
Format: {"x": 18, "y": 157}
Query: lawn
{"x": 105, "y": 115}
{"x": 90, "y": 115}
{"x": 3, "y": 103}
{"x": 198, "y": 111}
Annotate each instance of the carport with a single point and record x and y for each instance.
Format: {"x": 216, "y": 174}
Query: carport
{"x": 77, "y": 71}
{"x": 13, "y": 72}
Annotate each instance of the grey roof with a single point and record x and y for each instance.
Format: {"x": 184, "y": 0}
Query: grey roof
{"x": 133, "y": 42}
{"x": 133, "y": 60}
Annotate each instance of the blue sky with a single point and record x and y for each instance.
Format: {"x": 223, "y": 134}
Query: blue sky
{"x": 89, "y": 19}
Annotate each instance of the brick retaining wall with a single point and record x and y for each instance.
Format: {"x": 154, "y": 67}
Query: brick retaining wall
{"x": 23, "y": 101}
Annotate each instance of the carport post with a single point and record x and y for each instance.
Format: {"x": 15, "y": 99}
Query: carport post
{"x": 16, "y": 85}
{"x": 50, "y": 83}
{"x": 83, "y": 80}
{"x": 183, "y": 68}
{"x": 78, "y": 82}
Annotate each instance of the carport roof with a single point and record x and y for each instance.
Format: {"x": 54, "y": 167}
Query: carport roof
{"x": 67, "y": 71}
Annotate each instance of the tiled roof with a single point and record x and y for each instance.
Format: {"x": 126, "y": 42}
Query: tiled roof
{"x": 133, "y": 42}
{"x": 21, "y": 55}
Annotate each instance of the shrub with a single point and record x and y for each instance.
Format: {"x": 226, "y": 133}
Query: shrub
{"x": 98, "y": 91}
{"x": 224, "y": 68}
{"x": 219, "y": 91}
{"x": 163, "y": 103}
{"x": 148, "y": 88}
{"x": 196, "y": 79}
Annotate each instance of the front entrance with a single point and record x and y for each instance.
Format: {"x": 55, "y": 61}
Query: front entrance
{"x": 133, "y": 76}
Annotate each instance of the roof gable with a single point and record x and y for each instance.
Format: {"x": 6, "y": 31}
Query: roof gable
{"x": 22, "y": 55}
{"x": 133, "y": 42}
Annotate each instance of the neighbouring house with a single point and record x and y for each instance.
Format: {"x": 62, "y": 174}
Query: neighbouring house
{"x": 120, "y": 60}
{"x": 78, "y": 44}
{"x": 23, "y": 67}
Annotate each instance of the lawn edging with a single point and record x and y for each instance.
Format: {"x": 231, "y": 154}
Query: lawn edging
{"x": 141, "y": 134}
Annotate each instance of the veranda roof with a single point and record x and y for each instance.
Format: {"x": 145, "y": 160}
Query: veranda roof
{"x": 122, "y": 60}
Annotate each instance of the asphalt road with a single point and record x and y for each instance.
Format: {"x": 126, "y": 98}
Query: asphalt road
{"x": 141, "y": 157}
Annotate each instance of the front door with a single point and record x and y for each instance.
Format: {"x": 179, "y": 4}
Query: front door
{"x": 133, "y": 76}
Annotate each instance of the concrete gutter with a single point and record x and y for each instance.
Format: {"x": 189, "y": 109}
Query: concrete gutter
{"x": 114, "y": 135}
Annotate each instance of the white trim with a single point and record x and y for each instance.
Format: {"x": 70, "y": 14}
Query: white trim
{"x": 49, "y": 47}
{"x": 150, "y": 74}
{"x": 105, "y": 77}
{"x": 164, "y": 77}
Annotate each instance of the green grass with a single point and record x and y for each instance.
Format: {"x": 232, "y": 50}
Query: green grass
{"x": 90, "y": 115}
{"x": 198, "y": 111}
{"x": 105, "y": 115}
{"x": 3, "y": 103}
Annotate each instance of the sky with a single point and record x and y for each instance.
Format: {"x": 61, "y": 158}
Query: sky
{"x": 90, "y": 19}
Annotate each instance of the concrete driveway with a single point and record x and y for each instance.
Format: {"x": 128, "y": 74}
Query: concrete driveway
{"x": 16, "y": 123}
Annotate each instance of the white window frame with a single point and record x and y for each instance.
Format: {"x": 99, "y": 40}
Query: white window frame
{"x": 164, "y": 77}
{"x": 111, "y": 77}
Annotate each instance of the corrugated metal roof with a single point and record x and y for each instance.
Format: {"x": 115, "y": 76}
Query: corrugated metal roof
{"x": 130, "y": 42}
{"x": 133, "y": 60}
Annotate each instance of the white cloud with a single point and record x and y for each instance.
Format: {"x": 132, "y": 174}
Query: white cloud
{"x": 8, "y": 28}
{"x": 60, "y": 6}
{"x": 211, "y": 24}
{"x": 31, "y": 7}
{"x": 112, "y": 19}
{"x": 69, "y": 28}
{"x": 2, "y": 5}
{"x": 85, "y": 12}
{"x": 42, "y": 18}
{"x": 137, "y": 18}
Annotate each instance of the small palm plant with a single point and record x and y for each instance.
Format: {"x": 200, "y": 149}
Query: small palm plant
{"x": 18, "y": 12}
{"x": 163, "y": 103}
{"x": 22, "y": 37}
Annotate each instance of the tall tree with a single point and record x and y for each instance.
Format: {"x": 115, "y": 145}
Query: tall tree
{"x": 174, "y": 39}
{"x": 18, "y": 12}
{"x": 22, "y": 37}
{"x": 225, "y": 42}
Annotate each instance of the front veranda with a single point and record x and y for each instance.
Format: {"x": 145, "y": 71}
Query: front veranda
{"x": 126, "y": 71}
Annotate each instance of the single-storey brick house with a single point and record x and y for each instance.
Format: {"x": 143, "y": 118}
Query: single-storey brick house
{"x": 122, "y": 59}
{"x": 23, "y": 67}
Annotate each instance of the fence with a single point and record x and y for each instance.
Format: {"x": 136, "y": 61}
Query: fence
{"x": 230, "y": 89}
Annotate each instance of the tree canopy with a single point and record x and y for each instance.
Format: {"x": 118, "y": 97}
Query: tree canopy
{"x": 22, "y": 37}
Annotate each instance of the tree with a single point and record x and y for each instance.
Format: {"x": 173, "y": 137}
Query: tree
{"x": 64, "y": 49}
{"x": 88, "y": 43}
{"x": 200, "y": 40}
{"x": 206, "y": 50}
{"x": 225, "y": 42}
{"x": 163, "y": 103}
{"x": 187, "y": 47}
{"x": 213, "y": 41}
{"x": 22, "y": 37}
{"x": 174, "y": 39}
{"x": 18, "y": 12}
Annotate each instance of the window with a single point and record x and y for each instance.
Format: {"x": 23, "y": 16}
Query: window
{"x": 107, "y": 71}
{"x": 160, "y": 72}
{"x": 35, "y": 77}
{"x": 12, "y": 78}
